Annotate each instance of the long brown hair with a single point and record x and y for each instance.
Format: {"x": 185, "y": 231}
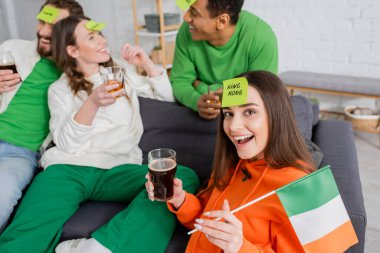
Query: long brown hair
{"x": 63, "y": 36}
{"x": 285, "y": 147}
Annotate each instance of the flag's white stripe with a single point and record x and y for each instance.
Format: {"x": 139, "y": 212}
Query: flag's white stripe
{"x": 314, "y": 224}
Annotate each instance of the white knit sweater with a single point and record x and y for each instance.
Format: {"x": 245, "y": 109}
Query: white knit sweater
{"x": 113, "y": 137}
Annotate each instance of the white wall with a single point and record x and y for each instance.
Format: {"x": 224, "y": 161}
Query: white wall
{"x": 333, "y": 36}
{"x": 4, "y": 33}
{"x": 20, "y": 17}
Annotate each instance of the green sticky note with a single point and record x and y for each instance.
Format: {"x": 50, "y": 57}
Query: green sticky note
{"x": 94, "y": 26}
{"x": 235, "y": 92}
{"x": 185, "y": 4}
{"x": 48, "y": 14}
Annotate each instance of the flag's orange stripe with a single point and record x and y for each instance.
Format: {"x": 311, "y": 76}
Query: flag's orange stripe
{"x": 338, "y": 240}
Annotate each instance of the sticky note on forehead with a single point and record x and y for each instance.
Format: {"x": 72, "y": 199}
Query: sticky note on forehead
{"x": 48, "y": 14}
{"x": 94, "y": 26}
{"x": 235, "y": 92}
{"x": 185, "y": 4}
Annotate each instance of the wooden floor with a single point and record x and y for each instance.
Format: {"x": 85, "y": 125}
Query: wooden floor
{"x": 369, "y": 165}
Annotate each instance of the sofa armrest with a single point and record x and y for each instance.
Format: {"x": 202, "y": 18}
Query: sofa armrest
{"x": 336, "y": 140}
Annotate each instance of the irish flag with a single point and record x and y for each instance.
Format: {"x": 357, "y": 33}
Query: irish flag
{"x": 317, "y": 213}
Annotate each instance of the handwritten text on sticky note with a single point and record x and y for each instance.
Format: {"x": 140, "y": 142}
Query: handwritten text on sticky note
{"x": 94, "y": 26}
{"x": 235, "y": 92}
{"x": 48, "y": 14}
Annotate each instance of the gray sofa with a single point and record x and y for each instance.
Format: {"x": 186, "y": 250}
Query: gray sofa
{"x": 171, "y": 125}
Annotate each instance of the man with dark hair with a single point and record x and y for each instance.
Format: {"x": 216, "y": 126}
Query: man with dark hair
{"x": 24, "y": 113}
{"x": 216, "y": 42}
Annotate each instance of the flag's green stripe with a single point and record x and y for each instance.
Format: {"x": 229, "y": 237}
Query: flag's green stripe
{"x": 309, "y": 192}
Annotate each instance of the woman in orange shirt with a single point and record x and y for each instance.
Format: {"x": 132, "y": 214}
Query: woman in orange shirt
{"x": 259, "y": 148}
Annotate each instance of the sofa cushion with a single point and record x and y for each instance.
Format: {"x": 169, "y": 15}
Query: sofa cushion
{"x": 304, "y": 114}
{"x": 170, "y": 125}
{"x": 315, "y": 109}
{"x": 90, "y": 216}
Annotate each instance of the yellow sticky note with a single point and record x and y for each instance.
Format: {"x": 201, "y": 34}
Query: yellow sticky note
{"x": 94, "y": 26}
{"x": 184, "y": 4}
{"x": 235, "y": 92}
{"x": 48, "y": 14}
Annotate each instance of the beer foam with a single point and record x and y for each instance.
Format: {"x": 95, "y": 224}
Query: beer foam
{"x": 157, "y": 165}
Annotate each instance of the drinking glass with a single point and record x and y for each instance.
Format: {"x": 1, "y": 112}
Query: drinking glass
{"x": 7, "y": 61}
{"x": 113, "y": 75}
{"x": 162, "y": 168}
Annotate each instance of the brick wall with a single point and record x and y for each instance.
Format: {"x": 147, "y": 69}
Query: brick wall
{"x": 333, "y": 36}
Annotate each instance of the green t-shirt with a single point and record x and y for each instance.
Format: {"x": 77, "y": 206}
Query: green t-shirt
{"x": 253, "y": 46}
{"x": 25, "y": 123}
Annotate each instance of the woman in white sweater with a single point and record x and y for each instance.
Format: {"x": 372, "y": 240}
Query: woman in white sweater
{"x": 96, "y": 156}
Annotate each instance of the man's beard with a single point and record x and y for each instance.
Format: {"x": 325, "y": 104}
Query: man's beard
{"x": 40, "y": 50}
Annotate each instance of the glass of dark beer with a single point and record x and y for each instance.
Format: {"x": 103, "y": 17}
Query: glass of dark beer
{"x": 113, "y": 75}
{"x": 7, "y": 61}
{"x": 162, "y": 168}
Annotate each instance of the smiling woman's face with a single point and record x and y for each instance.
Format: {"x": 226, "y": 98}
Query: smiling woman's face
{"x": 247, "y": 126}
{"x": 91, "y": 47}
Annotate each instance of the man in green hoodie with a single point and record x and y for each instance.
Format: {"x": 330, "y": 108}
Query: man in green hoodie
{"x": 216, "y": 42}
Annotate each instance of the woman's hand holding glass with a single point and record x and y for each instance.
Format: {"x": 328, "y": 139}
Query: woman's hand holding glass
{"x": 226, "y": 233}
{"x": 179, "y": 192}
{"x": 136, "y": 55}
{"x": 100, "y": 96}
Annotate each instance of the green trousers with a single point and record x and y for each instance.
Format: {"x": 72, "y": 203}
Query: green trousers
{"x": 55, "y": 195}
